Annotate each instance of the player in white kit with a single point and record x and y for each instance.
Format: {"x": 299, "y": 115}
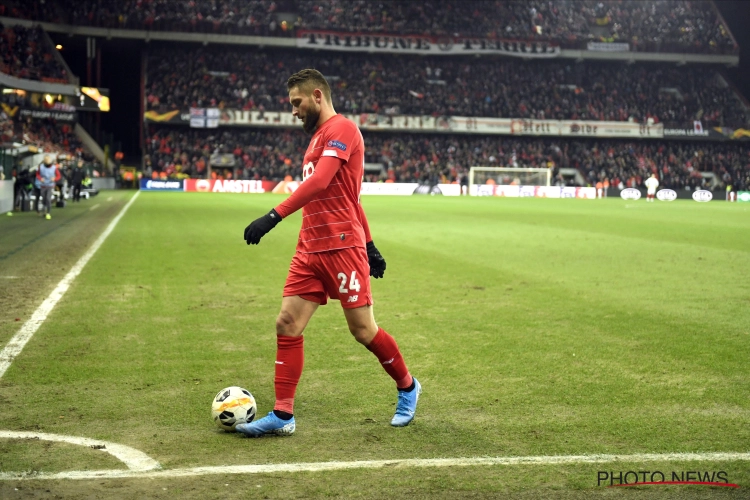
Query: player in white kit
{"x": 651, "y": 184}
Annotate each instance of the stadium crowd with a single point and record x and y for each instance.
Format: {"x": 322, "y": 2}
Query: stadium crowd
{"x": 273, "y": 154}
{"x": 47, "y": 134}
{"x": 659, "y": 25}
{"x": 692, "y": 26}
{"x": 25, "y": 55}
{"x": 232, "y": 17}
{"x": 51, "y": 135}
{"x": 415, "y": 85}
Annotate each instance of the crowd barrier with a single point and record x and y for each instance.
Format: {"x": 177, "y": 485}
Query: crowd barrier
{"x": 409, "y": 189}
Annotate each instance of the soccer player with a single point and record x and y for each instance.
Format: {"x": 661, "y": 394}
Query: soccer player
{"x": 651, "y": 184}
{"x": 335, "y": 254}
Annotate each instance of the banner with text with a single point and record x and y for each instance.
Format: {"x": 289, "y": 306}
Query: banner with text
{"x": 608, "y": 47}
{"x": 707, "y": 134}
{"x": 389, "y": 188}
{"x": 588, "y": 193}
{"x": 368, "y": 188}
{"x": 283, "y": 187}
{"x": 43, "y": 114}
{"x": 427, "y": 45}
{"x": 162, "y": 185}
{"x": 228, "y": 186}
{"x": 39, "y": 113}
{"x": 447, "y": 124}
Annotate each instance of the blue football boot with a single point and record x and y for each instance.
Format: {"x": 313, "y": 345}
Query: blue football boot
{"x": 270, "y": 424}
{"x": 407, "y": 405}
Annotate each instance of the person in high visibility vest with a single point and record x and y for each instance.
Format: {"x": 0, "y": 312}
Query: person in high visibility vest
{"x": 47, "y": 175}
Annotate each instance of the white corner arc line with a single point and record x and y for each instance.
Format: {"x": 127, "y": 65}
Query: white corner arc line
{"x": 134, "y": 460}
{"x": 378, "y": 464}
{"x": 18, "y": 341}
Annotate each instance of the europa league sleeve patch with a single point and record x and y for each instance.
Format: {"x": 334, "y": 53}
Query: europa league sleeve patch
{"x": 337, "y": 145}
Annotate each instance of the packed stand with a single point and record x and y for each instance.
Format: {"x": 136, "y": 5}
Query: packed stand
{"x": 478, "y": 18}
{"x": 46, "y": 134}
{"x": 675, "y": 25}
{"x": 661, "y": 26}
{"x": 666, "y": 25}
{"x": 260, "y": 154}
{"x": 229, "y": 17}
{"x": 438, "y": 86}
{"x": 678, "y": 164}
{"x": 26, "y": 55}
{"x": 273, "y": 154}
{"x": 25, "y": 9}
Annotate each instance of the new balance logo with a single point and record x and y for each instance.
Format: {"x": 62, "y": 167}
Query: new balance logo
{"x": 388, "y": 362}
{"x": 279, "y": 362}
{"x": 353, "y": 298}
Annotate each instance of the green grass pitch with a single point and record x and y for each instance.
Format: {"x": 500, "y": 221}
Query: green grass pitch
{"x": 536, "y": 326}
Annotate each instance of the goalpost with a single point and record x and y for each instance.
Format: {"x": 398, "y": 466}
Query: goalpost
{"x": 508, "y": 176}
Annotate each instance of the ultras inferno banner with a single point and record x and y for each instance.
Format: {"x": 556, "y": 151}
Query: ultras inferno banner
{"x": 466, "y": 124}
{"x": 450, "y": 124}
{"x": 398, "y": 44}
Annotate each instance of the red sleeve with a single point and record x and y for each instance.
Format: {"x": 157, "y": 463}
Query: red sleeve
{"x": 39, "y": 175}
{"x": 319, "y": 180}
{"x": 365, "y": 225}
{"x": 57, "y": 174}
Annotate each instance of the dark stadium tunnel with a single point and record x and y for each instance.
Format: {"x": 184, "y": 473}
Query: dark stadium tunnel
{"x": 121, "y": 74}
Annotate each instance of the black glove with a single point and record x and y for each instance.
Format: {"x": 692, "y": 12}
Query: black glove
{"x": 376, "y": 261}
{"x": 260, "y": 226}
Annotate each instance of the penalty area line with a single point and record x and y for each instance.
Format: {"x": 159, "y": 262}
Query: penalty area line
{"x": 19, "y": 340}
{"x": 379, "y": 464}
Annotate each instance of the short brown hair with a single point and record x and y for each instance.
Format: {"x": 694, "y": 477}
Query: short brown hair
{"x": 308, "y": 80}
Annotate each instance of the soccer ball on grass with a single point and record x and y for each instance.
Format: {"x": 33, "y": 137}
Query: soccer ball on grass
{"x": 232, "y": 406}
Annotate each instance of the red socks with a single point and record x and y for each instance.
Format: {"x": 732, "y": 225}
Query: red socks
{"x": 290, "y": 358}
{"x": 385, "y": 348}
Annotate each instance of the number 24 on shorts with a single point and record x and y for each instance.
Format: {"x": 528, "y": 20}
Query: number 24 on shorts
{"x": 353, "y": 283}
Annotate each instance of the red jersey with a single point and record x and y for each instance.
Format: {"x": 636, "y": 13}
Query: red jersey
{"x": 331, "y": 220}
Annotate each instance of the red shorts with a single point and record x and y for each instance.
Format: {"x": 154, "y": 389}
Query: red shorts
{"x": 339, "y": 274}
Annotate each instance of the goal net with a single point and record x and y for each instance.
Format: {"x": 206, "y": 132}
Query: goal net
{"x": 510, "y": 176}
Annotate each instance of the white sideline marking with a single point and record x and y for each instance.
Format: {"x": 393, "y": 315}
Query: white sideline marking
{"x": 378, "y": 464}
{"x": 19, "y": 340}
{"x": 94, "y": 207}
{"x": 135, "y": 460}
